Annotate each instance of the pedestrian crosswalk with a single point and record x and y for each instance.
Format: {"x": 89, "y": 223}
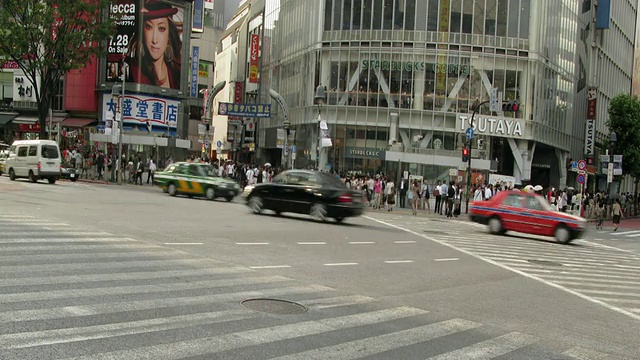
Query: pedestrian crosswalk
{"x": 68, "y": 293}
{"x": 622, "y": 233}
{"x": 601, "y": 274}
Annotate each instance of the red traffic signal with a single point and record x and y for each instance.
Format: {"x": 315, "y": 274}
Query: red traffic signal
{"x": 465, "y": 154}
{"x": 511, "y": 105}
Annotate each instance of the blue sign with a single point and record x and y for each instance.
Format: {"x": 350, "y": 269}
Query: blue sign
{"x": 219, "y": 144}
{"x": 293, "y": 148}
{"x": 198, "y": 16}
{"x": 195, "y": 60}
{"x": 245, "y": 110}
{"x": 580, "y": 179}
{"x": 469, "y": 133}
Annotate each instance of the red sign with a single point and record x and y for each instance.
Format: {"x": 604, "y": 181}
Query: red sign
{"x": 237, "y": 93}
{"x": 591, "y": 109}
{"x": 30, "y": 128}
{"x": 254, "y": 57}
{"x": 10, "y": 64}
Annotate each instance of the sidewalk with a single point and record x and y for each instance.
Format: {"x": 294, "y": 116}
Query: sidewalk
{"x": 421, "y": 213}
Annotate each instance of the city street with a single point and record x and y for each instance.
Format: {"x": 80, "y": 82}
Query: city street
{"x": 91, "y": 271}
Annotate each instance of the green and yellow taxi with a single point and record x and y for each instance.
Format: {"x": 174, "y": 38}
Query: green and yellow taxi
{"x": 195, "y": 179}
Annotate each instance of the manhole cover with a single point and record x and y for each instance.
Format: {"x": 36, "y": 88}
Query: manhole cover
{"x": 275, "y": 306}
{"x": 544, "y": 262}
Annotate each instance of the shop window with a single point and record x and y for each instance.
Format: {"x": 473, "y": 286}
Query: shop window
{"x": 432, "y": 15}
{"x": 377, "y": 14}
{"x": 328, "y": 10}
{"x": 525, "y": 6}
{"x": 382, "y": 135}
{"x": 512, "y": 24}
{"x": 409, "y": 14}
{"x": 503, "y": 11}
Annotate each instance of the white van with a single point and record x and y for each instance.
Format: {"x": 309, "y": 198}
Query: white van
{"x": 34, "y": 159}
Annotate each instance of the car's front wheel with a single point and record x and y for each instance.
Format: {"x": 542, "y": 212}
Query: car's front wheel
{"x": 562, "y": 234}
{"x": 172, "y": 190}
{"x": 255, "y": 204}
{"x": 495, "y": 226}
{"x": 210, "y": 193}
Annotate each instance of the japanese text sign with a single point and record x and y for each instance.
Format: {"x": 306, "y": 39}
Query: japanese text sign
{"x": 245, "y": 110}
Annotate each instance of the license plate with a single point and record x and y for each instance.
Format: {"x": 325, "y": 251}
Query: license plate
{"x": 73, "y": 175}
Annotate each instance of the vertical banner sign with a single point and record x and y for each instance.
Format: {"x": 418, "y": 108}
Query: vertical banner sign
{"x": 590, "y": 131}
{"x": 253, "y": 60}
{"x": 124, "y": 13}
{"x": 204, "y": 104}
{"x": 443, "y": 27}
{"x": 195, "y": 61}
{"x": 208, "y": 4}
{"x": 237, "y": 92}
{"x": 198, "y": 16}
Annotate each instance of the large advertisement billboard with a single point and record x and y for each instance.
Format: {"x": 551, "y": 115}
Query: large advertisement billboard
{"x": 144, "y": 113}
{"x": 149, "y": 39}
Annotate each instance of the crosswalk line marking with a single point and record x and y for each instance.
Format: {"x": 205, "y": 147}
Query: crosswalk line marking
{"x": 540, "y": 255}
{"x": 548, "y": 248}
{"x": 587, "y": 279}
{"x": 140, "y": 305}
{"x": 625, "y": 232}
{"x": 379, "y": 344}
{"x": 578, "y": 271}
{"x": 398, "y": 261}
{"x": 254, "y": 337}
{"x": 627, "y": 266}
{"x": 327, "y": 303}
{"x": 618, "y": 300}
{"x": 9, "y": 216}
{"x": 612, "y": 293}
{"x": 30, "y": 224}
{"x": 361, "y": 242}
{"x": 21, "y": 234}
{"x": 94, "y": 332}
{"x": 580, "y": 353}
{"x": 252, "y": 243}
{"x": 63, "y": 240}
{"x": 587, "y": 274}
{"x": 405, "y": 242}
{"x": 512, "y": 269}
{"x": 490, "y": 348}
{"x": 446, "y": 259}
{"x": 312, "y": 243}
{"x": 138, "y": 289}
{"x": 635, "y": 310}
{"x": 42, "y": 258}
{"x": 101, "y": 265}
{"x": 125, "y": 276}
{"x": 597, "y": 285}
{"x": 632, "y": 235}
{"x": 591, "y": 266}
{"x": 6, "y": 251}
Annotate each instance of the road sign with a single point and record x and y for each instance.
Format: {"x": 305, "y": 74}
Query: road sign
{"x": 494, "y": 102}
{"x": 469, "y": 133}
{"x": 610, "y": 172}
{"x": 580, "y": 179}
{"x": 219, "y": 144}
{"x": 582, "y": 165}
{"x": 293, "y": 149}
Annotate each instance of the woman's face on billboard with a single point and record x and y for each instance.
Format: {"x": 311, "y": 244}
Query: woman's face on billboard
{"x": 156, "y": 37}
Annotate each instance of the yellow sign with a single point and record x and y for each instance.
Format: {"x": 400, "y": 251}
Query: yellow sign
{"x": 445, "y": 13}
{"x": 203, "y": 69}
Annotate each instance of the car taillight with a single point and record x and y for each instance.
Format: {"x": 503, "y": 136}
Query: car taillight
{"x": 345, "y": 198}
{"x": 39, "y": 165}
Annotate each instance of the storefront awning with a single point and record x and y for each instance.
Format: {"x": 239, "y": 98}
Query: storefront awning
{"x": 77, "y": 122}
{"x": 6, "y": 118}
{"x": 25, "y": 119}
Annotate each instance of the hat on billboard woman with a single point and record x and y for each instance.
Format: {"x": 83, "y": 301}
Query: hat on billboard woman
{"x": 154, "y": 9}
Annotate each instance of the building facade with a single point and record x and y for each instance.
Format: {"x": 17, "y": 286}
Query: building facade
{"x": 402, "y": 78}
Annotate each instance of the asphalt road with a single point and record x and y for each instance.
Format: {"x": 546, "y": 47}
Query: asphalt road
{"x": 108, "y": 272}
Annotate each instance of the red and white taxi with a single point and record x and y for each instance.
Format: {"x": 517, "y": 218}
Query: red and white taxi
{"x": 526, "y": 213}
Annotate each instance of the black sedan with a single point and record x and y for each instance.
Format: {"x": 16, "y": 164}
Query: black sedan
{"x": 315, "y": 193}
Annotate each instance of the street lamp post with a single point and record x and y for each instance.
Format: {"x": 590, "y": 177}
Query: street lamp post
{"x": 320, "y": 99}
{"x": 119, "y": 91}
{"x": 286, "y": 124}
{"x": 476, "y": 107}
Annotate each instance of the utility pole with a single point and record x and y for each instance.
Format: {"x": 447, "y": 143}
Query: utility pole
{"x": 207, "y": 112}
{"x": 286, "y": 124}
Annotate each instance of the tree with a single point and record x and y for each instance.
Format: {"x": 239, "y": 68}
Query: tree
{"x": 624, "y": 119}
{"x": 49, "y": 38}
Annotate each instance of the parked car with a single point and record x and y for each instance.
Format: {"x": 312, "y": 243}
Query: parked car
{"x": 526, "y": 213}
{"x": 195, "y": 179}
{"x": 34, "y": 159}
{"x": 306, "y": 192}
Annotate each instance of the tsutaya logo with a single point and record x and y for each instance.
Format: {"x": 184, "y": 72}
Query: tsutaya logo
{"x": 492, "y": 126}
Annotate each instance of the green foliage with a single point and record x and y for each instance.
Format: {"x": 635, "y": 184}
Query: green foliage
{"x": 624, "y": 119}
{"x": 49, "y": 38}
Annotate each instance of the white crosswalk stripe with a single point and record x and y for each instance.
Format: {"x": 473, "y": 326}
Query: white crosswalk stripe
{"x": 90, "y": 297}
{"x": 607, "y": 276}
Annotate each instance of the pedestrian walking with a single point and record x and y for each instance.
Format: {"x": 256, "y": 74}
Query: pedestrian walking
{"x": 616, "y": 211}
{"x": 152, "y": 171}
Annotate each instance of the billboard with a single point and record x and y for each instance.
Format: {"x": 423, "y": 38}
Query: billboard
{"x": 138, "y": 110}
{"x": 149, "y": 40}
{"x": 198, "y": 16}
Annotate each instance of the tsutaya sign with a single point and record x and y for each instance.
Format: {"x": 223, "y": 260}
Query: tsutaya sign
{"x": 494, "y": 126}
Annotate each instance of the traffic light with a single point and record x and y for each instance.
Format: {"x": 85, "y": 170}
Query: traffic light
{"x": 511, "y": 105}
{"x": 465, "y": 154}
